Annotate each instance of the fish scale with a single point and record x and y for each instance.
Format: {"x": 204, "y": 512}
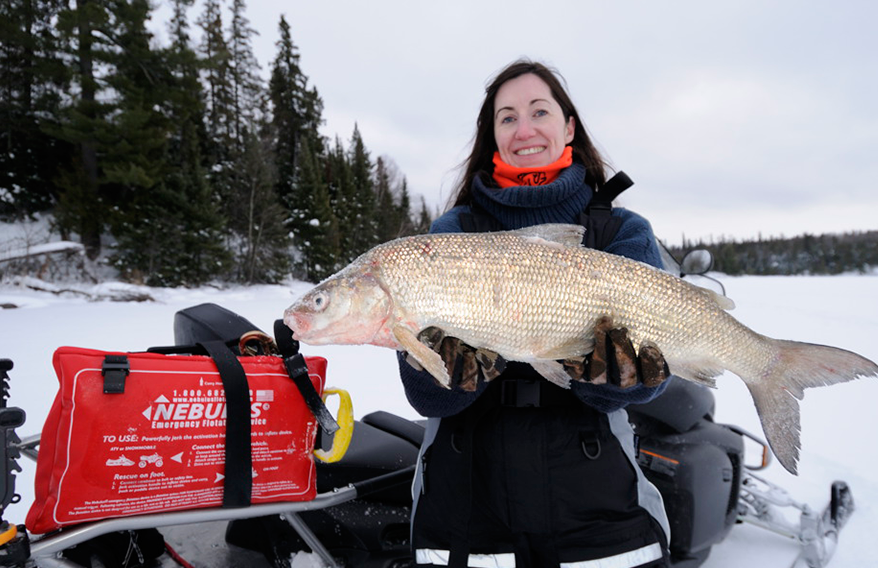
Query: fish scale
{"x": 535, "y": 295}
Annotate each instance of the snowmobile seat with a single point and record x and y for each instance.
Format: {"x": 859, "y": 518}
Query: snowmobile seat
{"x": 680, "y": 407}
{"x": 375, "y": 451}
{"x": 411, "y": 431}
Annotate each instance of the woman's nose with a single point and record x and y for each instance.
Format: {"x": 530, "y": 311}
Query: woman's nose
{"x": 524, "y": 130}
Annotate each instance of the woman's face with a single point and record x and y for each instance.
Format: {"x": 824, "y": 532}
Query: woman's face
{"x": 529, "y": 125}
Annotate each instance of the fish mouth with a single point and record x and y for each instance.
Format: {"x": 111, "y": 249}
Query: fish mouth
{"x": 304, "y": 330}
{"x": 300, "y": 326}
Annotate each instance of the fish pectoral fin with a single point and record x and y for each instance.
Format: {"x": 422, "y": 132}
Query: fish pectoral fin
{"x": 426, "y": 357}
{"x": 701, "y": 372}
{"x": 576, "y": 348}
{"x": 553, "y": 371}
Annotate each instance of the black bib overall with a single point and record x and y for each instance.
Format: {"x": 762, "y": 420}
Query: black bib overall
{"x": 529, "y": 476}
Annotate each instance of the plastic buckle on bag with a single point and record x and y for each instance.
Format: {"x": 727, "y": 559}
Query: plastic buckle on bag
{"x": 114, "y": 370}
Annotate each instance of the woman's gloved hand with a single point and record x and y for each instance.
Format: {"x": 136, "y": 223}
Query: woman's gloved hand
{"x": 465, "y": 364}
{"x": 615, "y": 362}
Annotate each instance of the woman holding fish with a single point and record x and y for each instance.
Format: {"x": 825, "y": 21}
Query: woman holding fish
{"x": 536, "y": 467}
{"x": 517, "y": 471}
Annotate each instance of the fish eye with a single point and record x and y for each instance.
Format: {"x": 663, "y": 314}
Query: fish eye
{"x": 319, "y": 301}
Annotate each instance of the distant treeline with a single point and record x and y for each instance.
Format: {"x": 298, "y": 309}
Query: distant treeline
{"x": 179, "y": 164}
{"x": 807, "y": 254}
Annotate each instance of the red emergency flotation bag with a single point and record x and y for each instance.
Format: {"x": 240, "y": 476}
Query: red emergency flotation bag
{"x": 156, "y": 442}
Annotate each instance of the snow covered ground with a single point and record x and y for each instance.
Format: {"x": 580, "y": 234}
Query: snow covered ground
{"x": 838, "y": 422}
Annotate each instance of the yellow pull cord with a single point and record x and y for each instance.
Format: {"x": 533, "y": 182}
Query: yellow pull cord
{"x": 342, "y": 438}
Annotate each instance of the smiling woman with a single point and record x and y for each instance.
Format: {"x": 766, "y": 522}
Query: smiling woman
{"x": 517, "y": 471}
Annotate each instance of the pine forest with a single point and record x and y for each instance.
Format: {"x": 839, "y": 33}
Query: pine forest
{"x": 180, "y": 164}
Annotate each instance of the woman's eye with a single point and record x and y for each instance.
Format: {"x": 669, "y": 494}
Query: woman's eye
{"x": 541, "y": 112}
{"x": 507, "y": 120}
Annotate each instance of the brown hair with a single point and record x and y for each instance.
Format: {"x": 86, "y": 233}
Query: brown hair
{"x": 480, "y": 160}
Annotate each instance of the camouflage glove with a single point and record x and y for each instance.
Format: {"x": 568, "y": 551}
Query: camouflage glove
{"x": 614, "y": 360}
{"x": 465, "y": 364}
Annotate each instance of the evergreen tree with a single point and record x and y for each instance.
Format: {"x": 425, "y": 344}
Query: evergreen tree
{"x": 395, "y": 207}
{"x": 202, "y": 255}
{"x": 313, "y": 222}
{"x": 263, "y": 242}
{"x": 114, "y": 117}
{"x": 296, "y": 111}
{"x": 387, "y": 221}
{"x": 146, "y": 218}
{"x": 404, "y": 211}
{"x": 422, "y": 225}
{"x": 223, "y": 151}
{"x": 186, "y": 98}
{"x": 343, "y": 198}
{"x": 83, "y": 122}
{"x": 216, "y": 72}
{"x": 246, "y": 85}
{"x": 236, "y": 117}
{"x": 33, "y": 77}
{"x": 360, "y": 224}
{"x": 135, "y": 148}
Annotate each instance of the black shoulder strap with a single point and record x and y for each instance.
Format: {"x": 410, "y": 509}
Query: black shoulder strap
{"x": 613, "y": 187}
{"x": 238, "y": 482}
{"x": 477, "y": 220}
{"x": 600, "y": 225}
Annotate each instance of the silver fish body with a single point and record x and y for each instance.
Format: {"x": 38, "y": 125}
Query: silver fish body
{"x": 535, "y": 295}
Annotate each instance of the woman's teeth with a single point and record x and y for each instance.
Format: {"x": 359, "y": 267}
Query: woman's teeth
{"x": 529, "y": 151}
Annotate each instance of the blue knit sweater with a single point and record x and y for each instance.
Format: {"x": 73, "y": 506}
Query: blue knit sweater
{"x": 516, "y": 207}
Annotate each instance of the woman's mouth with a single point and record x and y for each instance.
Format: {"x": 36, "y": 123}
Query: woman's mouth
{"x": 530, "y": 151}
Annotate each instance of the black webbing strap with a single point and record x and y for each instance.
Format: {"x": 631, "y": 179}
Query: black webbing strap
{"x": 478, "y": 220}
{"x": 238, "y": 482}
{"x": 600, "y": 224}
{"x": 614, "y": 187}
{"x": 298, "y": 372}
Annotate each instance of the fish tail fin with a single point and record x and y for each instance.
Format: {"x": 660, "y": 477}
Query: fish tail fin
{"x": 796, "y": 367}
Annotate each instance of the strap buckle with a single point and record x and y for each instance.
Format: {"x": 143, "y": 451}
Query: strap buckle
{"x": 114, "y": 370}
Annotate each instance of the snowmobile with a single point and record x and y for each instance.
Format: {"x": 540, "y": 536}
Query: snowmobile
{"x": 360, "y": 516}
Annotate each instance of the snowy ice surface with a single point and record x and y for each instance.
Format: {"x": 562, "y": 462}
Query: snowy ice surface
{"x": 839, "y": 423}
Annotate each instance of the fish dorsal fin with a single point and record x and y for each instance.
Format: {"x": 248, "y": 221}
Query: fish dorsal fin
{"x": 724, "y": 302}
{"x": 564, "y": 234}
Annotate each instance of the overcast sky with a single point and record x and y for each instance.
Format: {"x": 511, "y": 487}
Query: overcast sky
{"x": 734, "y": 118}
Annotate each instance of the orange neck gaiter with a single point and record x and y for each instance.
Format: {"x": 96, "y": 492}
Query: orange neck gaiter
{"x": 511, "y": 176}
